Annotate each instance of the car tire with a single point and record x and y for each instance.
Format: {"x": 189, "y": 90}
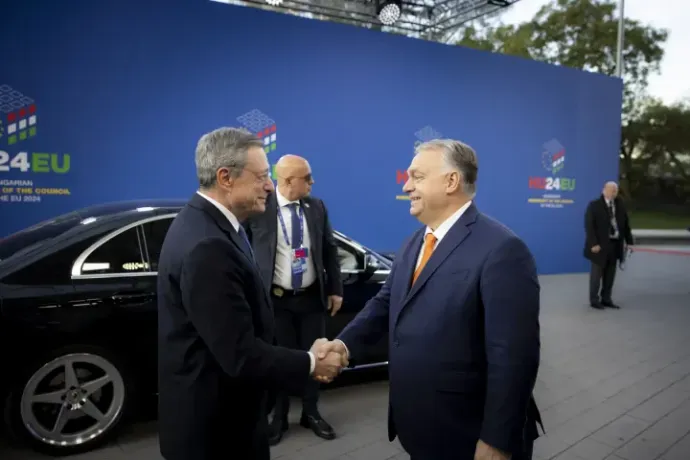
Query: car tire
{"x": 93, "y": 407}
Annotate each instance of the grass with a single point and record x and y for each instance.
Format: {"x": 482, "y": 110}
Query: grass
{"x": 658, "y": 220}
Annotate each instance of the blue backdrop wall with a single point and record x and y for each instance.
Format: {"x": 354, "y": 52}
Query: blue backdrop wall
{"x": 105, "y": 101}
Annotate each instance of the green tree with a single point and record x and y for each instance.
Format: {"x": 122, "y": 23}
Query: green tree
{"x": 584, "y": 34}
{"x": 655, "y": 152}
{"x": 662, "y": 138}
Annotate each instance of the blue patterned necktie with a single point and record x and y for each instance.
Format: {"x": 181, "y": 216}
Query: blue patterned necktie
{"x": 243, "y": 234}
{"x": 296, "y": 242}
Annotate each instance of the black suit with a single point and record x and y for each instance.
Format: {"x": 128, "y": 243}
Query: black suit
{"x": 215, "y": 342}
{"x": 300, "y": 316}
{"x": 263, "y": 233}
{"x": 598, "y": 232}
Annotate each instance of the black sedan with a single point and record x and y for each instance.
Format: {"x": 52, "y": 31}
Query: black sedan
{"x": 78, "y": 320}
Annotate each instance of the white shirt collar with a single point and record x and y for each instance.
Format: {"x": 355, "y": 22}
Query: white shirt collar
{"x": 282, "y": 201}
{"x": 443, "y": 229}
{"x": 226, "y": 212}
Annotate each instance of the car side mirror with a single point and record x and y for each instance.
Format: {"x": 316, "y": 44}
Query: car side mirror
{"x": 371, "y": 264}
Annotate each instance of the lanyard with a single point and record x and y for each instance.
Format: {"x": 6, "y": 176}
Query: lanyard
{"x": 301, "y": 226}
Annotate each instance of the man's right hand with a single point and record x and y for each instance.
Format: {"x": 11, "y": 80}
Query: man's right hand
{"x": 328, "y": 368}
{"x": 596, "y": 249}
{"x": 322, "y": 348}
{"x": 331, "y": 357}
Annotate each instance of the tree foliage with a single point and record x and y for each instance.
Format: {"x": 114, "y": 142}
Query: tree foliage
{"x": 658, "y": 139}
{"x": 582, "y": 34}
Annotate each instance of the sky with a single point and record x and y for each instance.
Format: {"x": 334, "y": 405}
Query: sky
{"x": 673, "y": 82}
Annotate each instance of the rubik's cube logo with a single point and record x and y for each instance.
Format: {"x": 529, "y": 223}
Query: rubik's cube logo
{"x": 553, "y": 157}
{"x": 18, "y": 114}
{"x": 426, "y": 134}
{"x": 263, "y": 126}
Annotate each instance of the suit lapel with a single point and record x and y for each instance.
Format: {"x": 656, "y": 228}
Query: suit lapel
{"x": 408, "y": 262}
{"x": 225, "y": 225}
{"x": 310, "y": 217}
{"x": 455, "y": 236}
{"x": 222, "y": 221}
{"x": 410, "y": 259}
{"x": 271, "y": 221}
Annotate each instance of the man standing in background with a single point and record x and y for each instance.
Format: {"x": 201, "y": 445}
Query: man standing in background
{"x": 297, "y": 255}
{"x": 606, "y": 227}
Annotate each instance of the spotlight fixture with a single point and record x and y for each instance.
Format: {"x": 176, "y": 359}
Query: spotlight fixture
{"x": 389, "y": 12}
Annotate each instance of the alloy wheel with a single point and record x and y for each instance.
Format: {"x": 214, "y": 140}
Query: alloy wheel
{"x": 72, "y": 399}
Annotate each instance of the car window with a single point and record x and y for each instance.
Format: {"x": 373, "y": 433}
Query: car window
{"x": 348, "y": 258}
{"x": 154, "y": 233}
{"x": 121, "y": 254}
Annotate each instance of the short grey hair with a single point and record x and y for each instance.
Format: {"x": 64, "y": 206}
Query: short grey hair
{"x": 458, "y": 157}
{"x": 223, "y": 148}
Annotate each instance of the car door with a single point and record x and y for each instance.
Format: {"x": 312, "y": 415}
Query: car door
{"x": 153, "y": 231}
{"x": 117, "y": 274}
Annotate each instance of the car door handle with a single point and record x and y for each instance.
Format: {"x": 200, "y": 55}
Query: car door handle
{"x": 132, "y": 298}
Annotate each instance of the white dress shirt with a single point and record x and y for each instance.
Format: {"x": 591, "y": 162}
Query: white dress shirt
{"x": 443, "y": 229}
{"x": 236, "y": 225}
{"x": 282, "y": 272}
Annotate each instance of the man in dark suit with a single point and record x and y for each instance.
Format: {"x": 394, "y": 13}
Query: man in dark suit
{"x": 298, "y": 257}
{"x": 461, "y": 306}
{"x": 606, "y": 229}
{"x": 217, "y": 357}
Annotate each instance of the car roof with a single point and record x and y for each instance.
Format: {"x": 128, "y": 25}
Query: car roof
{"x": 52, "y": 228}
{"x": 119, "y": 207}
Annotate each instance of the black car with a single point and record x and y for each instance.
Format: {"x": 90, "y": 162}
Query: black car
{"x": 78, "y": 319}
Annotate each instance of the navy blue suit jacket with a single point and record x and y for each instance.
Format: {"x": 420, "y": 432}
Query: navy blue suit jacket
{"x": 464, "y": 340}
{"x": 216, "y": 335}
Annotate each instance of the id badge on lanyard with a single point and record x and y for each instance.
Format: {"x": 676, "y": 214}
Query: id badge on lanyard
{"x": 299, "y": 260}
{"x": 300, "y": 254}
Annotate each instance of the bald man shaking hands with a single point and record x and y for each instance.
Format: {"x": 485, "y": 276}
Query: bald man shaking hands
{"x": 297, "y": 255}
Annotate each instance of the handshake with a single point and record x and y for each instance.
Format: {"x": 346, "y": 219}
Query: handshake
{"x": 330, "y": 358}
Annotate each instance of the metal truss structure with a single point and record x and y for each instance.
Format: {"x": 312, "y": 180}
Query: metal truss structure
{"x": 430, "y": 19}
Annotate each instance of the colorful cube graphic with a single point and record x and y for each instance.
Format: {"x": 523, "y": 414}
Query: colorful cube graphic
{"x": 18, "y": 113}
{"x": 553, "y": 157}
{"x": 263, "y": 126}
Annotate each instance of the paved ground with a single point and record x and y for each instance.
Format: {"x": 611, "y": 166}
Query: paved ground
{"x": 671, "y": 233}
{"x": 613, "y": 385}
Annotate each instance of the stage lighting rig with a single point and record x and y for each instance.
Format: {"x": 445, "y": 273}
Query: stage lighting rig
{"x": 437, "y": 20}
{"x": 389, "y": 11}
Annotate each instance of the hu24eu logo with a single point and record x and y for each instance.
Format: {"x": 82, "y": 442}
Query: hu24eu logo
{"x": 35, "y": 163}
{"x": 553, "y": 160}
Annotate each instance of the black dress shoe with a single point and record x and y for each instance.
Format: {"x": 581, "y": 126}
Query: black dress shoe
{"x": 319, "y": 426}
{"x": 610, "y": 304}
{"x": 596, "y": 305}
{"x": 276, "y": 430}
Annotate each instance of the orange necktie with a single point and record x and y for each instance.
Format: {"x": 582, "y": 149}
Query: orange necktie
{"x": 429, "y": 243}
